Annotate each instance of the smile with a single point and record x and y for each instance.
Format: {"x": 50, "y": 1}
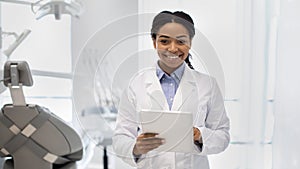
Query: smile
{"x": 172, "y": 56}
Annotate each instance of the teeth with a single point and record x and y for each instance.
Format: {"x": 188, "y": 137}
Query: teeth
{"x": 172, "y": 57}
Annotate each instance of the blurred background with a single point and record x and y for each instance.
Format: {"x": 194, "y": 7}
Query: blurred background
{"x": 82, "y": 59}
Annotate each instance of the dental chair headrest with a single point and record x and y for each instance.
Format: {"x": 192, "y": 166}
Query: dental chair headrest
{"x": 17, "y": 72}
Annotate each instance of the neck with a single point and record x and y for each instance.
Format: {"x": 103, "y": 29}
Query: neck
{"x": 165, "y": 68}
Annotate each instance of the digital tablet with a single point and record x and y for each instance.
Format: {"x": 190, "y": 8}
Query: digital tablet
{"x": 174, "y": 126}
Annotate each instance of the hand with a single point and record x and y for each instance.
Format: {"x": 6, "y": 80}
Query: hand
{"x": 146, "y": 142}
{"x": 197, "y": 135}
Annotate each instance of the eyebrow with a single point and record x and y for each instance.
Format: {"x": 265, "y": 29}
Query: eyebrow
{"x": 180, "y": 36}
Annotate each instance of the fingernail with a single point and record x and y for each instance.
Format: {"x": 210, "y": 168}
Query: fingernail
{"x": 163, "y": 141}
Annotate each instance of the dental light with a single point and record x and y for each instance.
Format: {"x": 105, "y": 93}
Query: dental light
{"x": 42, "y": 8}
{"x": 56, "y": 7}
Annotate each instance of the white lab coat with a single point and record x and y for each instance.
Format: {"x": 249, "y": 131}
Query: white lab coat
{"x": 197, "y": 93}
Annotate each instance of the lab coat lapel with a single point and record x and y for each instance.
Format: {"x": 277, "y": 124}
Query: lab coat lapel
{"x": 185, "y": 89}
{"x": 155, "y": 92}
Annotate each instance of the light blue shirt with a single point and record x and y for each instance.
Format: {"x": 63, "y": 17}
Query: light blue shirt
{"x": 170, "y": 83}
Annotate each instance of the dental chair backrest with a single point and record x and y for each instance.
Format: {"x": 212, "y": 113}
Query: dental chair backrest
{"x": 30, "y": 134}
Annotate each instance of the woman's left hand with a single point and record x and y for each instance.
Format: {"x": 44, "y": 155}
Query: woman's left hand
{"x": 197, "y": 135}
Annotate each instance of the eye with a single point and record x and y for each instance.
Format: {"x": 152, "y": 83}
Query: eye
{"x": 181, "y": 42}
{"x": 164, "y": 41}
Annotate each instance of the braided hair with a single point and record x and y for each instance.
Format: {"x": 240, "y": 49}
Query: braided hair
{"x": 180, "y": 17}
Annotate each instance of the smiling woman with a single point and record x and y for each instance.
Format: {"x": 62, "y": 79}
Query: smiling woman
{"x": 173, "y": 44}
{"x": 171, "y": 85}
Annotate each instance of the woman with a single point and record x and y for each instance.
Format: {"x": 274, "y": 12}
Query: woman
{"x": 156, "y": 89}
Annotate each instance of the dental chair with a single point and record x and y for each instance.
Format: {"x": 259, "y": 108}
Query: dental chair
{"x": 31, "y": 137}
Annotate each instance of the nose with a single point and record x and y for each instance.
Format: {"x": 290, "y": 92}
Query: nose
{"x": 172, "y": 47}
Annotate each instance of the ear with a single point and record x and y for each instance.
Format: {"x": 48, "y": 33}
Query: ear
{"x": 154, "y": 42}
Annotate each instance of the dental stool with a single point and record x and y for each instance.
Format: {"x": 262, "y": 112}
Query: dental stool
{"x": 31, "y": 135}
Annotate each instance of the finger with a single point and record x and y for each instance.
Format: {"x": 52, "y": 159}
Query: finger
{"x": 155, "y": 139}
{"x": 147, "y": 135}
{"x": 146, "y": 143}
{"x": 147, "y": 148}
{"x": 150, "y": 144}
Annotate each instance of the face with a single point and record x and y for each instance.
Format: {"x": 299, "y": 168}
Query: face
{"x": 172, "y": 44}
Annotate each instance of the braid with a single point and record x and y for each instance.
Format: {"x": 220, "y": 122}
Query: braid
{"x": 187, "y": 61}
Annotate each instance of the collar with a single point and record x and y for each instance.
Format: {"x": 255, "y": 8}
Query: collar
{"x": 177, "y": 74}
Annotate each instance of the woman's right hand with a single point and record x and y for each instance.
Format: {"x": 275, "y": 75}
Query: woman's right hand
{"x": 146, "y": 142}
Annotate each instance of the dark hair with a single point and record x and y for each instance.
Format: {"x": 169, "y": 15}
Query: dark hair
{"x": 180, "y": 17}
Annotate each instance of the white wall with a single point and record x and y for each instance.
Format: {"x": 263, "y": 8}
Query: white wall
{"x": 96, "y": 49}
{"x": 286, "y": 130}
